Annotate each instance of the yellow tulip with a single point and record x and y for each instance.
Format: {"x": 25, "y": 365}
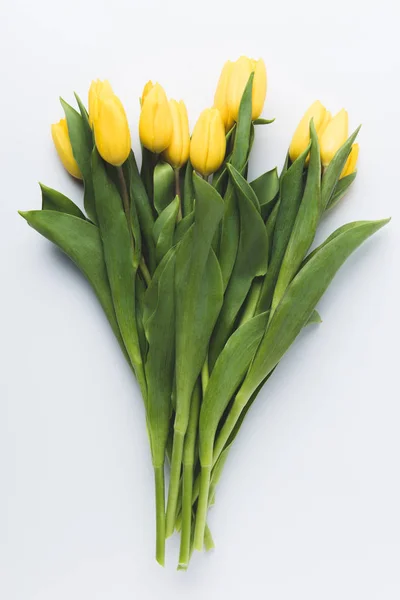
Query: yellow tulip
{"x": 208, "y": 143}
{"x": 177, "y": 153}
{"x": 220, "y": 98}
{"x": 155, "y": 123}
{"x": 334, "y": 136}
{"x": 238, "y": 77}
{"x": 301, "y": 137}
{"x": 351, "y": 162}
{"x": 111, "y": 129}
{"x": 149, "y": 86}
{"x": 96, "y": 89}
{"x": 59, "y": 133}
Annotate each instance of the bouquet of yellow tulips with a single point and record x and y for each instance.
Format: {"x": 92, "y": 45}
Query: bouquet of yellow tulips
{"x": 206, "y": 278}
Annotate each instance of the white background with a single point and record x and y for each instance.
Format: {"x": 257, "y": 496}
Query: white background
{"x": 308, "y": 507}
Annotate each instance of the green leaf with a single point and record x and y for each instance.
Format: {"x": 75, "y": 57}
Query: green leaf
{"x": 139, "y": 196}
{"x": 334, "y": 169}
{"x": 341, "y": 188}
{"x": 270, "y": 224}
{"x": 140, "y": 292}
{"x": 85, "y": 120}
{"x": 251, "y": 261}
{"x": 146, "y": 172}
{"x": 164, "y": 229}
{"x": 129, "y": 177}
{"x": 80, "y": 240}
{"x": 305, "y": 225}
{"x": 188, "y": 190}
{"x": 159, "y": 324}
{"x": 300, "y": 300}
{"x": 227, "y": 375}
{"x": 266, "y": 188}
{"x": 164, "y": 186}
{"x": 230, "y": 225}
{"x": 198, "y": 296}
{"x": 118, "y": 256}
{"x": 290, "y": 197}
{"x": 263, "y": 121}
{"x": 53, "y": 200}
{"x": 82, "y": 147}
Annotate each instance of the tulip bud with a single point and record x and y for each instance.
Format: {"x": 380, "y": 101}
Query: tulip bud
{"x": 221, "y": 94}
{"x": 177, "y": 152}
{"x": 208, "y": 143}
{"x": 59, "y": 133}
{"x": 301, "y": 137}
{"x": 96, "y": 89}
{"x": 334, "y": 136}
{"x": 238, "y": 78}
{"x": 149, "y": 86}
{"x": 351, "y": 162}
{"x": 111, "y": 129}
{"x": 155, "y": 123}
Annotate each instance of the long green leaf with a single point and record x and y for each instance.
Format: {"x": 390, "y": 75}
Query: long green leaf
{"x": 228, "y": 373}
{"x": 118, "y": 256}
{"x": 198, "y": 295}
{"x": 340, "y": 189}
{"x": 301, "y": 297}
{"x": 290, "y": 197}
{"x": 144, "y": 211}
{"x": 230, "y": 225}
{"x": 159, "y": 324}
{"x": 53, "y": 200}
{"x": 80, "y": 240}
{"x": 266, "y": 188}
{"x": 164, "y": 229}
{"x": 305, "y": 225}
{"x": 251, "y": 261}
{"x": 164, "y": 186}
{"x": 82, "y": 146}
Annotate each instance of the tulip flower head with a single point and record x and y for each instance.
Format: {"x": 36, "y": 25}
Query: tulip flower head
{"x": 208, "y": 143}
{"x": 301, "y": 137}
{"x": 334, "y": 136}
{"x": 60, "y": 135}
{"x": 351, "y": 162}
{"x": 147, "y": 88}
{"x": 177, "y": 153}
{"x": 155, "y": 123}
{"x": 110, "y": 124}
{"x": 238, "y": 75}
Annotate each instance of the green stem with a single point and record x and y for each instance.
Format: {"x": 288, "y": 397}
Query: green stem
{"x": 145, "y": 271}
{"x": 202, "y": 507}
{"x": 160, "y": 514}
{"x": 187, "y": 483}
{"x": 184, "y": 551}
{"x": 174, "y": 481}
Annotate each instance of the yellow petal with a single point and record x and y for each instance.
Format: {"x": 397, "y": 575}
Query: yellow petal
{"x": 155, "y": 123}
{"x": 96, "y": 89}
{"x": 259, "y": 87}
{"x": 59, "y": 132}
{"x": 351, "y": 162}
{"x": 221, "y": 95}
{"x": 301, "y": 137}
{"x": 177, "y": 153}
{"x": 149, "y": 86}
{"x": 334, "y": 136}
{"x": 111, "y": 130}
{"x": 241, "y": 70}
{"x": 208, "y": 143}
